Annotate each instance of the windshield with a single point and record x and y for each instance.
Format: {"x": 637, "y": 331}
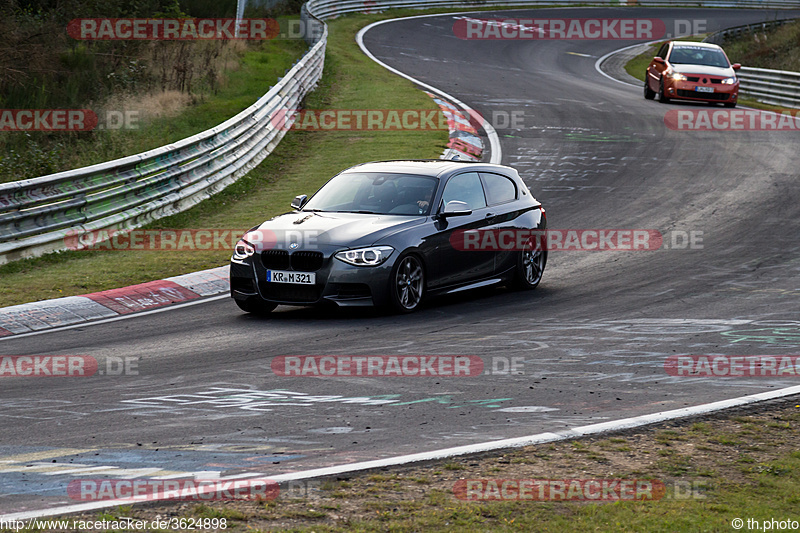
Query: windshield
{"x": 696, "y": 55}
{"x": 375, "y": 192}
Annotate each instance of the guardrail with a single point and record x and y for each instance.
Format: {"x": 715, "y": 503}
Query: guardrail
{"x": 36, "y": 215}
{"x": 775, "y": 87}
{"x": 738, "y": 31}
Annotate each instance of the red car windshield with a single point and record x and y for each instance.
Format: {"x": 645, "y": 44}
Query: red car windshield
{"x": 696, "y": 55}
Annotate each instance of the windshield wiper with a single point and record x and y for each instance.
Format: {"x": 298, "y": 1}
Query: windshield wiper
{"x": 363, "y": 212}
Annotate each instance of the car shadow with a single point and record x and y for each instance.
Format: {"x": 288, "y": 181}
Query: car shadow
{"x": 475, "y": 301}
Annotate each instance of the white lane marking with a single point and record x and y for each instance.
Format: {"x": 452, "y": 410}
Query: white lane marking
{"x": 526, "y": 409}
{"x": 120, "y": 317}
{"x": 518, "y": 442}
{"x": 603, "y": 58}
{"x": 491, "y": 133}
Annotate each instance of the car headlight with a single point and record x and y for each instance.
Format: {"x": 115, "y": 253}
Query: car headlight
{"x": 243, "y": 250}
{"x": 372, "y": 256}
{"x": 729, "y": 81}
{"x": 677, "y": 76}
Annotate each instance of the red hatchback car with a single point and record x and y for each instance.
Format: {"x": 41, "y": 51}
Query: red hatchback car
{"x": 692, "y": 71}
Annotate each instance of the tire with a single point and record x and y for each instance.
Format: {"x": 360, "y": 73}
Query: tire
{"x": 256, "y": 306}
{"x": 649, "y": 94}
{"x": 407, "y": 284}
{"x": 730, "y": 104}
{"x": 661, "y": 97}
{"x": 530, "y": 267}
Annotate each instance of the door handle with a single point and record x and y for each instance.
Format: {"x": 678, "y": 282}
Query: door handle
{"x": 490, "y": 216}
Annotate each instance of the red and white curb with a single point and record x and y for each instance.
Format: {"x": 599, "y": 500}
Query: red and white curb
{"x": 457, "y": 144}
{"x": 464, "y": 140}
{"x": 49, "y": 314}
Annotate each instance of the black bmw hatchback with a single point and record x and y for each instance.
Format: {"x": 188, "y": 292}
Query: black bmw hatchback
{"x": 391, "y": 234}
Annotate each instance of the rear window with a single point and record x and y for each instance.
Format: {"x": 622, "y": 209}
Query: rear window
{"x": 499, "y": 189}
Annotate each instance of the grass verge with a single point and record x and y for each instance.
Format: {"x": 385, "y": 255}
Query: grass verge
{"x": 777, "y": 49}
{"x": 737, "y": 464}
{"x": 303, "y": 161}
{"x": 637, "y": 66}
{"x": 160, "y": 118}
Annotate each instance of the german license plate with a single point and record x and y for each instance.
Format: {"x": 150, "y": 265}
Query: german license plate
{"x": 282, "y": 276}
{"x": 704, "y": 89}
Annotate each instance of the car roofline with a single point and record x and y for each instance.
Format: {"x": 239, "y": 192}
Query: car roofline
{"x": 422, "y": 161}
{"x": 445, "y": 162}
{"x": 696, "y": 43}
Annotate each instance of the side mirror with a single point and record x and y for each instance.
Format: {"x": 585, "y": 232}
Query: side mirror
{"x": 659, "y": 60}
{"x": 299, "y": 201}
{"x": 736, "y": 66}
{"x": 455, "y": 208}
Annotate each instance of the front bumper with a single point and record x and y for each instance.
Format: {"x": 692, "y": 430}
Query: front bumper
{"x": 685, "y": 90}
{"x": 336, "y": 282}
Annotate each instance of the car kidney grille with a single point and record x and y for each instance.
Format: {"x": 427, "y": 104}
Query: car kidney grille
{"x": 275, "y": 259}
{"x": 306, "y": 261}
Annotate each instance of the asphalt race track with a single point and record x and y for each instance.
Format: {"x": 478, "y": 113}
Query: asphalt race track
{"x": 593, "y": 337}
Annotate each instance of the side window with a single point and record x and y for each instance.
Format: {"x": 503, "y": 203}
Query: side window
{"x": 465, "y": 188}
{"x": 663, "y": 52}
{"x": 499, "y": 189}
